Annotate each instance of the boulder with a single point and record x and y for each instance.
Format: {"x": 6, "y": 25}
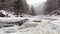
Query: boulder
{"x": 2, "y": 15}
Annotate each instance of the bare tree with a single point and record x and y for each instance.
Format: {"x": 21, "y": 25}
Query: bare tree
{"x": 51, "y": 5}
{"x": 2, "y": 3}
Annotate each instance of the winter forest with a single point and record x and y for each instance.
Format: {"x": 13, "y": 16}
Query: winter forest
{"x": 29, "y": 16}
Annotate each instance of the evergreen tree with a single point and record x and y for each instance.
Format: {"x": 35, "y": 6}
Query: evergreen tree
{"x": 18, "y": 6}
{"x": 33, "y": 11}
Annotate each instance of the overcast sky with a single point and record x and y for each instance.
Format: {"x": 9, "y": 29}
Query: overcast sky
{"x": 34, "y": 1}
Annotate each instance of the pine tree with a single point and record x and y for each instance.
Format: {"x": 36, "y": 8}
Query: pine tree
{"x": 18, "y": 6}
{"x": 33, "y": 11}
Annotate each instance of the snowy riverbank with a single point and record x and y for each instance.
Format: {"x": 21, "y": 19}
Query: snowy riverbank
{"x": 35, "y": 25}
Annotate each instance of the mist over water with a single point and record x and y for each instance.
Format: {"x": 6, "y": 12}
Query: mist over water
{"x": 35, "y": 1}
{"x": 38, "y": 5}
{"x": 39, "y": 8}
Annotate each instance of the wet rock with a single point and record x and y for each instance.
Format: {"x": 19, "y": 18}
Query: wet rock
{"x": 22, "y": 21}
{"x": 21, "y": 16}
{"x": 2, "y": 15}
{"x": 8, "y": 26}
{"x": 37, "y": 21}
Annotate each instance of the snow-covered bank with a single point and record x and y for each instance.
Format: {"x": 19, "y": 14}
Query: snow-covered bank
{"x": 35, "y": 25}
{"x": 10, "y": 19}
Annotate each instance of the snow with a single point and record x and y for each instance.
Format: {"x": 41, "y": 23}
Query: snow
{"x": 40, "y": 24}
{"x": 10, "y": 19}
{"x": 2, "y": 11}
{"x": 34, "y": 25}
